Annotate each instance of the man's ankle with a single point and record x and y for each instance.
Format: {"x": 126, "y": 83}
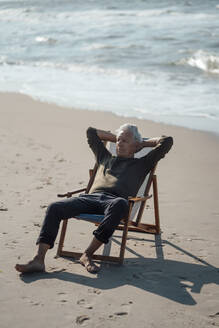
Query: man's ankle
{"x": 39, "y": 259}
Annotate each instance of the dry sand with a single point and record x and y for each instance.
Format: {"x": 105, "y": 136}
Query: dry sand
{"x": 170, "y": 281}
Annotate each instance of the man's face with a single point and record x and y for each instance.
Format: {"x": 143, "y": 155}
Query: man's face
{"x": 125, "y": 144}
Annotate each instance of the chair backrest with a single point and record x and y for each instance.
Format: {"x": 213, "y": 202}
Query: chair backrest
{"x": 143, "y": 190}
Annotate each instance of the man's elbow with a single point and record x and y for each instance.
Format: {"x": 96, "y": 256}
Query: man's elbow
{"x": 169, "y": 141}
{"x": 166, "y": 143}
{"x": 90, "y": 130}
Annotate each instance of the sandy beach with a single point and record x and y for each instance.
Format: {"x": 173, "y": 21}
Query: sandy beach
{"x": 171, "y": 281}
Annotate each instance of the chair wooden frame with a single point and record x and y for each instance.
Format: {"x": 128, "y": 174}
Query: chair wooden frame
{"x": 126, "y": 225}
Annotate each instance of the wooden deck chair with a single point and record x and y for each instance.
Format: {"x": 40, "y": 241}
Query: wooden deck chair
{"x": 132, "y": 223}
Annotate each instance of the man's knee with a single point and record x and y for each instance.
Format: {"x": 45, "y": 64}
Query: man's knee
{"x": 120, "y": 205}
{"x": 54, "y": 208}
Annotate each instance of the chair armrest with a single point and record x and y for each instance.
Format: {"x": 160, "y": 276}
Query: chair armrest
{"x": 70, "y": 193}
{"x": 138, "y": 199}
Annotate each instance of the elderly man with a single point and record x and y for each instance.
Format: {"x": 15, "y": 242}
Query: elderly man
{"x": 117, "y": 178}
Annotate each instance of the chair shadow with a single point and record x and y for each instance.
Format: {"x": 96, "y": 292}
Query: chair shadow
{"x": 171, "y": 279}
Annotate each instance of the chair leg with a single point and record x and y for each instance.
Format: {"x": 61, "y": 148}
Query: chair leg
{"x": 124, "y": 236}
{"x": 62, "y": 237}
{"x": 156, "y": 206}
{"x": 123, "y": 244}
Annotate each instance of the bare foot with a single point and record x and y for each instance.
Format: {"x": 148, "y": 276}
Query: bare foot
{"x": 33, "y": 266}
{"x": 87, "y": 262}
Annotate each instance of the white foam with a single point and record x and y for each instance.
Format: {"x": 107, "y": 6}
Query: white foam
{"x": 44, "y": 39}
{"x": 204, "y": 61}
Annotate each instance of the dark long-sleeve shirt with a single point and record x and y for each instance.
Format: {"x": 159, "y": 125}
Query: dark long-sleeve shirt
{"x": 122, "y": 176}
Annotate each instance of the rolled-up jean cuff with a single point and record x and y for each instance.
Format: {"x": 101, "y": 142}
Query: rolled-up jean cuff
{"x": 45, "y": 241}
{"x": 100, "y": 238}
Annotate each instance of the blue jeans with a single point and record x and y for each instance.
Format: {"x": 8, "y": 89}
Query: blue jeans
{"x": 113, "y": 208}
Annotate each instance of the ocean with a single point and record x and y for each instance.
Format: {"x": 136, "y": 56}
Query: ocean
{"x": 151, "y": 59}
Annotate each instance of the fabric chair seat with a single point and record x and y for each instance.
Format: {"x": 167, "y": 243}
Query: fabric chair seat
{"x": 96, "y": 218}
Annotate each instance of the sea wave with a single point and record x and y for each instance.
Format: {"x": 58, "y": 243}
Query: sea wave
{"x": 202, "y": 60}
{"x": 137, "y": 77}
{"x": 189, "y": 113}
{"x": 44, "y": 39}
{"x": 5, "y": 61}
{"x": 96, "y": 46}
{"x": 56, "y": 12}
{"x": 19, "y": 14}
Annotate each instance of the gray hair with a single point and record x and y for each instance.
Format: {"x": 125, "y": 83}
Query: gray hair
{"x": 132, "y": 129}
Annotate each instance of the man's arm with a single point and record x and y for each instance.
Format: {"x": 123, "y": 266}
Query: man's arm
{"x": 96, "y": 145}
{"x": 150, "y": 142}
{"x": 106, "y": 135}
{"x": 163, "y": 146}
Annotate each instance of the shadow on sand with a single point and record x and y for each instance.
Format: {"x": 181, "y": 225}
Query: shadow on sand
{"x": 170, "y": 279}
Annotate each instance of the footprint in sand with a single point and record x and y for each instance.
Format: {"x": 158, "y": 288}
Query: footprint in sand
{"x": 81, "y": 319}
{"x": 84, "y": 304}
{"x": 95, "y": 291}
{"x": 214, "y": 315}
{"x": 43, "y": 206}
{"x": 36, "y": 225}
{"x": 120, "y": 313}
{"x": 215, "y": 318}
{"x": 39, "y": 187}
{"x": 3, "y": 207}
{"x": 117, "y": 314}
{"x": 123, "y": 312}
{"x": 35, "y": 303}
